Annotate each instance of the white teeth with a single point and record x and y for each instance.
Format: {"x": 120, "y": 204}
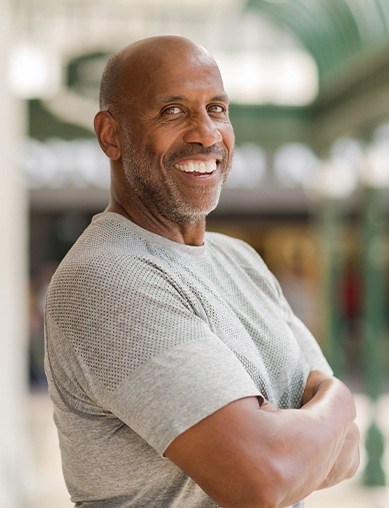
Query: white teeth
{"x": 197, "y": 167}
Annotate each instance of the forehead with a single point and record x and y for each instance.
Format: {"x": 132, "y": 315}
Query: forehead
{"x": 192, "y": 77}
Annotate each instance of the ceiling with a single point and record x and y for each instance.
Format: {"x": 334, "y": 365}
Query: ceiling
{"x": 347, "y": 39}
{"x": 333, "y": 31}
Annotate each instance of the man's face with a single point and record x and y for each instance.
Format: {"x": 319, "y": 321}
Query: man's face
{"x": 177, "y": 138}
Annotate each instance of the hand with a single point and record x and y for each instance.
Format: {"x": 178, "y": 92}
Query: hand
{"x": 347, "y": 462}
{"x": 320, "y": 386}
{"x": 347, "y": 452}
{"x": 315, "y": 379}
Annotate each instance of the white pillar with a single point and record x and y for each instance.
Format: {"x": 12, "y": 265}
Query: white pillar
{"x": 13, "y": 287}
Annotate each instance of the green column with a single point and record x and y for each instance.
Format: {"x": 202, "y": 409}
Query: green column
{"x": 374, "y": 322}
{"x": 332, "y": 257}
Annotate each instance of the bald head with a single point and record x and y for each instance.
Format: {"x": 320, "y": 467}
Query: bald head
{"x": 127, "y": 71}
{"x": 164, "y": 125}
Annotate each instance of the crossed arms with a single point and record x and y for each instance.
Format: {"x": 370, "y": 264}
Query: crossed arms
{"x": 257, "y": 456}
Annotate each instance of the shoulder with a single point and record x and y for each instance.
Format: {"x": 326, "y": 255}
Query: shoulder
{"x": 240, "y": 254}
{"x": 107, "y": 262}
{"x": 220, "y": 240}
{"x": 237, "y": 249}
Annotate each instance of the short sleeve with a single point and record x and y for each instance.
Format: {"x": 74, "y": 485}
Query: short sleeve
{"x": 139, "y": 349}
{"x": 180, "y": 387}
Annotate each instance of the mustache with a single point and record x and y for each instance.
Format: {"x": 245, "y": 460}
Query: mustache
{"x": 188, "y": 151}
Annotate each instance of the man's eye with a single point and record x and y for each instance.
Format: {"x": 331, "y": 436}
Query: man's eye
{"x": 172, "y": 110}
{"x": 216, "y": 108}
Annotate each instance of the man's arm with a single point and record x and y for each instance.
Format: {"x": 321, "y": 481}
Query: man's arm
{"x": 249, "y": 455}
{"x": 347, "y": 461}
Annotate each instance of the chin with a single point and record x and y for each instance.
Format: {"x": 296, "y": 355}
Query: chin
{"x": 188, "y": 216}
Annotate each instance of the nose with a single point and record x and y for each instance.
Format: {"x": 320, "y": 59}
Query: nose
{"x": 203, "y": 131}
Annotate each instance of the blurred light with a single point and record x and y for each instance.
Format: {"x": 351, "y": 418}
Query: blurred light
{"x": 381, "y": 134}
{"x": 293, "y": 163}
{"x": 295, "y": 79}
{"x": 57, "y": 163}
{"x": 334, "y": 179}
{"x": 286, "y": 77}
{"x": 80, "y": 163}
{"x": 33, "y": 71}
{"x": 349, "y": 149}
{"x": 375, "y": 172}
{"x": 248, "y": 168}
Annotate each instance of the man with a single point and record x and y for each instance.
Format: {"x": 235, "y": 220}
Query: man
{"x": 179, "y": 375}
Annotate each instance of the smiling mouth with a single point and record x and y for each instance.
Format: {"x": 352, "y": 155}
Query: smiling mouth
{"x": 197, "y": 167}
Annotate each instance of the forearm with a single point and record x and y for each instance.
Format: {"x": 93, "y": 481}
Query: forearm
{"x": 249, "y": 455}
{"x": 301, "y": 456}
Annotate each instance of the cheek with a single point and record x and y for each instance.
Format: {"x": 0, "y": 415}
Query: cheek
{"x": 156, "y": 148}
{"x": 229, "y": 137}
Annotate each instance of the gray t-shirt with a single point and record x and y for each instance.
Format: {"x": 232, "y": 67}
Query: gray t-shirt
{"x": 145, "y": 337}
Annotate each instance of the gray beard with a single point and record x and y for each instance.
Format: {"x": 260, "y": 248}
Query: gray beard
{"x": 170, "y": 203}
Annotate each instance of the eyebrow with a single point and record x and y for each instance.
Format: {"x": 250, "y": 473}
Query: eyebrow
{"x": 181, "y": 98}
{"x": 220, "y": 98}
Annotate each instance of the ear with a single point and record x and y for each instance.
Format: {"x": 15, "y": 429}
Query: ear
{"x": 107, "y": 132}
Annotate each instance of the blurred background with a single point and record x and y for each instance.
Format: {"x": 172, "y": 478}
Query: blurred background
{"x": 309, "y": 190}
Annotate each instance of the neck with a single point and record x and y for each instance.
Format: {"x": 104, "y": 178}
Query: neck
{"x": 185, "y": 233}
